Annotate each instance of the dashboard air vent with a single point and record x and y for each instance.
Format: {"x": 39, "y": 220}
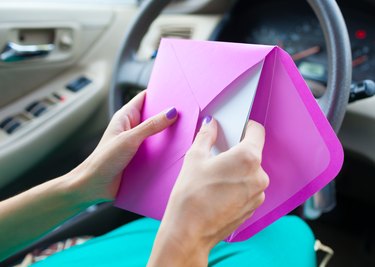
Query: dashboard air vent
{"x": 178, "y": 32}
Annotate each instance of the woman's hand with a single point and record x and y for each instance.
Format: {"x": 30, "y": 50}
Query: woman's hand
{"x": 211, "y": 198}
{"x": 99, "y": 176}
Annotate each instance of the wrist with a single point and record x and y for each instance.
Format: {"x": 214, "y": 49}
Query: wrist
{"x": 177, "y": 246}
{"x": 76, "y": 189}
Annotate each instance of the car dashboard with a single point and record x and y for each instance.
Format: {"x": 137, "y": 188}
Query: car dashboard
{"x": 292, "y": 26}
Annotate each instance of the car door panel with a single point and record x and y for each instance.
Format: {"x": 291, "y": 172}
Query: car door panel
{"x": 86, "y": 39}
{"x": 74, "y": 30}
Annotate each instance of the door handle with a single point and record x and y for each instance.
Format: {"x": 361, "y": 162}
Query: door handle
{"x": 13, "y": 52}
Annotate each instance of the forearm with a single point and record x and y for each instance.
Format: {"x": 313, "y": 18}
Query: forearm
{"x": 173, "y": 249}
{"x": 28, "y": 216}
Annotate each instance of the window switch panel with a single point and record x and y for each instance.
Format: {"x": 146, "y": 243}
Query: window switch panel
{"x": 5, "y": 122}
{"x": 15, "y": 125}
{"x": 10, "y": 124}
{"x": 78, "y": 84}
{"x": 39, "y": 111}
{"x": 31, "y": 106}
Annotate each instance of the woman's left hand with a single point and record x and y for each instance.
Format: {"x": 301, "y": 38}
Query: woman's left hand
{"x": 98, "y": 177}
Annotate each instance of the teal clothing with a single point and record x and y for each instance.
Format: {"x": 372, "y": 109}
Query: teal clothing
{"x": 287, "y": 242}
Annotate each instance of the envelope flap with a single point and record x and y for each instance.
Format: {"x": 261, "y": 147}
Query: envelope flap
{"x": 209, "y": 67}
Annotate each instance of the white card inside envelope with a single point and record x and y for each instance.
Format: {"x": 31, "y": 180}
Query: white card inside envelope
{"x": 232, "y": 109}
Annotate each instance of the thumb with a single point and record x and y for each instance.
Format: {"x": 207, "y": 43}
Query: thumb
{"x": 154, "y": 124}
{"x": 254, "y": 137}
{"x": 206, "y": 137}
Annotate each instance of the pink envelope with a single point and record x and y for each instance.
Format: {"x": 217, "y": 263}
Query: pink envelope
{"x": 301, "y": 154}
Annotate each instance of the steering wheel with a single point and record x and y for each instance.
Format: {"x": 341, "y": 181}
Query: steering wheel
{"x": 130, "y": 72}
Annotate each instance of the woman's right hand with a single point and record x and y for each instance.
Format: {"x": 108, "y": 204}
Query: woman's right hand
{"x": 212, "y": 196}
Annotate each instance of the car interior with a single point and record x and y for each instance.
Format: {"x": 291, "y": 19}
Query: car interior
{"x": 67, "y": 66}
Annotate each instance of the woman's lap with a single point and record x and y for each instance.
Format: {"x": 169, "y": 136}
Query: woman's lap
{"x": 287, "y": 242}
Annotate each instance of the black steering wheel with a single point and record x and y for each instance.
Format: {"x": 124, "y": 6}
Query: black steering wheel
{"x": 129, "y": 72}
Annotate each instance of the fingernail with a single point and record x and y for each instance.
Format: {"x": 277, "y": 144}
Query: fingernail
{"x": 207, "y": 120}
{"x": 171, "y": 113}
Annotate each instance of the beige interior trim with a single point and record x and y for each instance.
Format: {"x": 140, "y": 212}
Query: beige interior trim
{"x": 32, "y": 143}
{"x": 199, "y": 26}
{"x": 357, "y": 133}
{"x": 83, "y": 23}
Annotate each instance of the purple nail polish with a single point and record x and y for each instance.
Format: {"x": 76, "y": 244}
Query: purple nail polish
{"x": 207, "y": 119}
{"x": 171, "y": 113}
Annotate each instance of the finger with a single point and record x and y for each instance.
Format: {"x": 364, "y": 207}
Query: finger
{"x": 254, "y": 137}
{"x": 206, "y": 137}
{"x": 249, "y": 151}
{"x": 154, "y": 124}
